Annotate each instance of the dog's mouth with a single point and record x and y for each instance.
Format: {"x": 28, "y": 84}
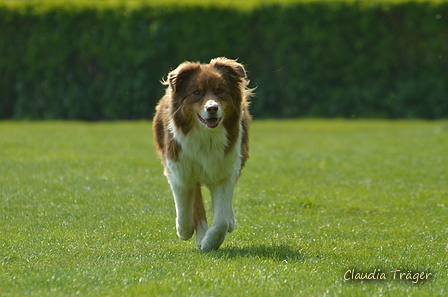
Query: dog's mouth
{"x": 212, "y": 122}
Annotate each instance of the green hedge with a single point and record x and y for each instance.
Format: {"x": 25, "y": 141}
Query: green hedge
{"x": 315, "y": 59}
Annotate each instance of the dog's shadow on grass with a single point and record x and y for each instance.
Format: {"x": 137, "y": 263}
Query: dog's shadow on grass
{"x": 274, "y": 252}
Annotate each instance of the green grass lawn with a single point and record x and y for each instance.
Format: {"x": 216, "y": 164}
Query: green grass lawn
{"x": 85, "y": 210}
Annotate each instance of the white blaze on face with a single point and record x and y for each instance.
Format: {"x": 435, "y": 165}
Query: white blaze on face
{"x": 211, "y": 114}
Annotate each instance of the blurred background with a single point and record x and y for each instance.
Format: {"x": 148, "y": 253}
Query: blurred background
{"x": 104, "y": 60}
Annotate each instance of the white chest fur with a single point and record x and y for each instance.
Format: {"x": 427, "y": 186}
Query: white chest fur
{"x": 203, "y": 158}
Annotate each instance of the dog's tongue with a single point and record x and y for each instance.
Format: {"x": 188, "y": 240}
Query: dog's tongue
{"x": 211, "y": 122}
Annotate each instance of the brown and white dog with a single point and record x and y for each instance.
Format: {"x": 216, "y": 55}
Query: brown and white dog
{"x": 201, "y": 135}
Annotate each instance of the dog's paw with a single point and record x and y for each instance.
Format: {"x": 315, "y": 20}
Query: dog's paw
{"x": 206, "y": 246}
{"x": 185, "y": 232}
{"x": 201, "y": 230}
{"x": 213, "y": 239}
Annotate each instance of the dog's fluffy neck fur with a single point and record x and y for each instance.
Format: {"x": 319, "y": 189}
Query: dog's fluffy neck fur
{"x": 207, "y": 148}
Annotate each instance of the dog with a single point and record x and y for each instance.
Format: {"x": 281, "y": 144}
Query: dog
{"x": 201, "y": 135}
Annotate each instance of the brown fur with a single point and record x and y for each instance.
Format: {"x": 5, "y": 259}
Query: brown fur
{"x": 189, "y": 87}
{"x": 181, "y": 84}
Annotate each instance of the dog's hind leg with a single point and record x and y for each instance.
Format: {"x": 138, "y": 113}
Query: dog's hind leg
{"x": 199, "y": 216}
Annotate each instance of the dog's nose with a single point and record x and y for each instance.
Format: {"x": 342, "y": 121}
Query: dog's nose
{"x": 212, "y": 109}
{"x": 211, "y": 106}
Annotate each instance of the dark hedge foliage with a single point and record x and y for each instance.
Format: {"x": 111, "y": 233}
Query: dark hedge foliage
{"x": 315, "y": 59}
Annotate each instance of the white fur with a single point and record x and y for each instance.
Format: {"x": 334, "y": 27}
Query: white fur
{"x": 203, "y": 159}
{"x": 211, "y": 102}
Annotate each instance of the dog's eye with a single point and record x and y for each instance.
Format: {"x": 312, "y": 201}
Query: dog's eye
{"x": 219, "y": 91}
{"x": 197, "y": 92}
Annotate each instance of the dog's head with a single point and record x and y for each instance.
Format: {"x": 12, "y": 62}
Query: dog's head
{"x": 207, "y": 95}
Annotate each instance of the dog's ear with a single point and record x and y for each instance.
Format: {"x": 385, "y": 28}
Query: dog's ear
{"x": 234, "y": 69}
{"x": 178, "y": 77}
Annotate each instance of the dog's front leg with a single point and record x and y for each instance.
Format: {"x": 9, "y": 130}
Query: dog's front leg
{"x": 224, "y": 220}
{"x": 184, "y": 199}
{"x": 199, "y": 216}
